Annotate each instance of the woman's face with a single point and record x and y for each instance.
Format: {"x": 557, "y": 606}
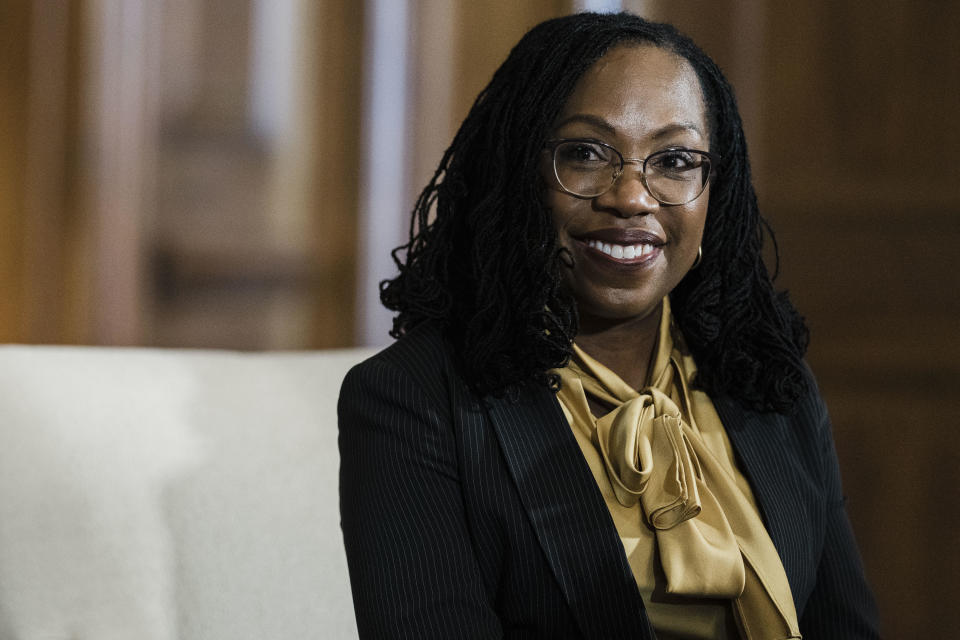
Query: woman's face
{"x": 638, "y": 99}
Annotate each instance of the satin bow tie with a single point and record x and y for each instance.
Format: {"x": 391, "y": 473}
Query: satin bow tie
{"x": 632, "y": 437}
{"x": 651, "y": 456}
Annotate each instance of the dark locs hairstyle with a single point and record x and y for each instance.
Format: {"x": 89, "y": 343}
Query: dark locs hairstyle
{"x": 483, "y": 258}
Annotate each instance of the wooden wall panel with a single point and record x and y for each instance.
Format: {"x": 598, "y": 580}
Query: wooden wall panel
{"x": 51, "y": 162}
{"x": 340, "y": 31}
{"x": 14, "y": 69}
{"x": 44, "y": 284}
{"x": 874, "y": 88}
{"x": 486, "y": 31}
{"x": 255, "y": 242}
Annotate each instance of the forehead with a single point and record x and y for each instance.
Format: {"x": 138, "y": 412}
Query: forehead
{"x": 639, "y": 90}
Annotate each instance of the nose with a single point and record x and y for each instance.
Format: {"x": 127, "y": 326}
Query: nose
{"x": 629, "y": 195}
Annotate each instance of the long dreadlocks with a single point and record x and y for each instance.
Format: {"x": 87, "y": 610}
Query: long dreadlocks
{"x": 483, "y": 258}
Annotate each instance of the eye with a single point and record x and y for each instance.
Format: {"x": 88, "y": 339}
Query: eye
{"x": 583, "y": 154}
{"x": 676, "y": 162}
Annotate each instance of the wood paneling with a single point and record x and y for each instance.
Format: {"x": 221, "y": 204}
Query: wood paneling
{"x": 486, "y": 31}
{"x": 336, "y": 173}
{"x": 256, "y": 236}
{"x": 44, "y": 284}
{"x": 49, "y": 212}
{"x": 14, "y": 75}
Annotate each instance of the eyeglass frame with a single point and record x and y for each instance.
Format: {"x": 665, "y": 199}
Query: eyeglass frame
{"x": 713, "y": 158}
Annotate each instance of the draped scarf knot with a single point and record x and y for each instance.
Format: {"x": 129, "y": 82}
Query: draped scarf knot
{"x": 647, "y": 447}
{"x": 641, "y": 430}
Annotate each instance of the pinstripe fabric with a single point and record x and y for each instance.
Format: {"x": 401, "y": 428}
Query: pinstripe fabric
{"x": 467, "y": 519}
{"x": 792, "y": 466}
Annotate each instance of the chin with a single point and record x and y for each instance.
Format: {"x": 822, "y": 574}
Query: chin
{"x": 620, "y": 311}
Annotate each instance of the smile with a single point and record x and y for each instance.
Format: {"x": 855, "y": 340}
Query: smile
{"x": 622, "y": 251}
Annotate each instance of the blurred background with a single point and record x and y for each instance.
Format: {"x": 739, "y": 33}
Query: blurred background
{"x": 233, "y": 173}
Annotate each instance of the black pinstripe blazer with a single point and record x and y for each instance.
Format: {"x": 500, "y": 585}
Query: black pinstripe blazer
{"x": 467, "y": 518}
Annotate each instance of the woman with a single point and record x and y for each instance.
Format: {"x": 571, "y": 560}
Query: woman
{"x": 596, "y": 421}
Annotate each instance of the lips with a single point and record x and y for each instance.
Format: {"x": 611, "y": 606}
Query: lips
{"x": 623, "y": 246}
{"x": 622, "y": 237}
{"x": 627, "y": 252}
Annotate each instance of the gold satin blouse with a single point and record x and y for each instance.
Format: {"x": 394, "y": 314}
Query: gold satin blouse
{"x": 701, "y": 556}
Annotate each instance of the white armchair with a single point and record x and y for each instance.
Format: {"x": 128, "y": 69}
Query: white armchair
{"x": 157, "y": 494}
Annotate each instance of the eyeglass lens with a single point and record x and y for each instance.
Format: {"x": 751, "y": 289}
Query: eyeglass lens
{"x": 589, "y": 169}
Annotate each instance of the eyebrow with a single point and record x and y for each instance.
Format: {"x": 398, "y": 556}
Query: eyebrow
{"x": 599, "y": 123}
{"x": 586, "y": 118}
{"x": 677, "y": 127}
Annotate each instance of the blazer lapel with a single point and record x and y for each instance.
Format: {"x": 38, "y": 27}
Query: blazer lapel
{"x": 764, "y": 446}
{"x": 569, "y": 516}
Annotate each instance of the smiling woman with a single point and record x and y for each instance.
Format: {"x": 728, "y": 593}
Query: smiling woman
{"x": 596, "y": 421}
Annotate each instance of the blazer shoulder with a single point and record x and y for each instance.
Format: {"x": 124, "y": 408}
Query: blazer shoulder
{"x": 807, "y": 415}
{"x": 810, "y": 412}
{"x": 424, "y": 356}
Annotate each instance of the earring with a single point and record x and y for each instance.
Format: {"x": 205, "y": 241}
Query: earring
{"x": 696, "y": 263}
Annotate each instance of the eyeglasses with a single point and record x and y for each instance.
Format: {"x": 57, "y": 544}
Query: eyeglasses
{"x": 588, "y": 168}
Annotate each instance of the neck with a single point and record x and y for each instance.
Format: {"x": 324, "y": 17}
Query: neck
{"x": 623, "y": 346}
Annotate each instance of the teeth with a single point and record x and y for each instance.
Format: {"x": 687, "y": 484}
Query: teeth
{"x": 621, "y": 251}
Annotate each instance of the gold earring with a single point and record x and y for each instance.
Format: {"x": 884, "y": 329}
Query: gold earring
{"x": 696, "y": 263}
